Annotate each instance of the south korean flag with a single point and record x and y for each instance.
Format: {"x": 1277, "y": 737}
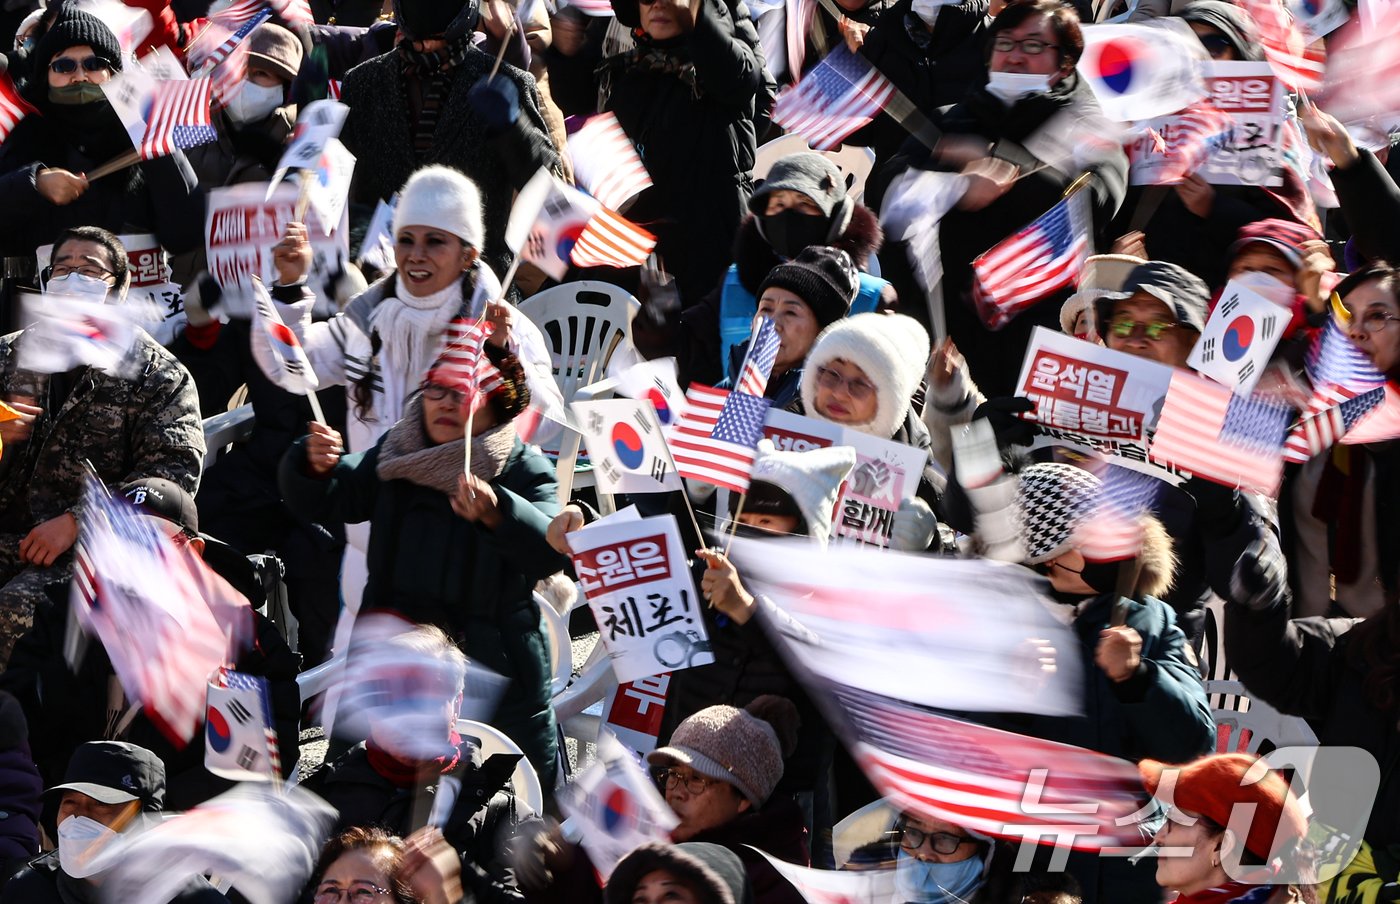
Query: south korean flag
{"x": 1241, "y": 335}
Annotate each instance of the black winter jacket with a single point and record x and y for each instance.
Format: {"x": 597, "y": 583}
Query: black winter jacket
{"x": 43, "y": 882}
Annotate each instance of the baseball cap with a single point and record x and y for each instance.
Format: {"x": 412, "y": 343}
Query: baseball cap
{"x": 115, "y": 772}
{"x": 164, "y": 499}
{"x": 1184, "y": 294}
{"x": 1285, "y": 236}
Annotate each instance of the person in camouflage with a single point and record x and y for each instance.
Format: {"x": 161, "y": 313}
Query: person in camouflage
{"x": 145, "y": 425}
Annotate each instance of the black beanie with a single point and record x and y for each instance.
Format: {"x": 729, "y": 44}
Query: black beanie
{"x": 74, "y": 28}
{"x": 823, "y": 277}
{"x": 421, "y": 19}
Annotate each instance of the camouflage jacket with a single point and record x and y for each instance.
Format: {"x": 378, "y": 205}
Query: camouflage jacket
{"x": 148, "y": 426}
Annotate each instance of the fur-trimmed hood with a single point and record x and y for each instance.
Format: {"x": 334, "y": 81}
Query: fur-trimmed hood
{"x": 754, "y": 258}
{"x": 1157, "y": 560}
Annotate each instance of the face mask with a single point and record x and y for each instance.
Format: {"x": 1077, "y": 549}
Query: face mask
{"x": 254, "y": 102}
{"x": 927, "y": 10}
{"x": 1102, "y": 576}
{"x": 81, "y": 844}
{"x": 1009, "y": 87}
{"x": 76, "y": 285}
{"x": 1271, "y": 287}
{"x": 788, "y": 232}
{"x": 926, "y": 882}
{"x": 76, "y": 94}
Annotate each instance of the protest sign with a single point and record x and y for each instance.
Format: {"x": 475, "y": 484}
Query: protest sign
{"x": 625, "y": 444}
{"x": 1251, "y": 154}
{"x": 1241, "y": 334}
{"x": 637, "y": 581}
{"x": 1095, "y": 399}
{"x": 240, "y": 229}
{"x": 151, "y": 287}
{"x": 634, "y": 711}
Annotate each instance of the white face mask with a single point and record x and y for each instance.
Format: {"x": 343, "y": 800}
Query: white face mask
{"x": 81, "y": 845}
{"x": 927, "y": 10}
{"x": 76, "y": 285}
{"x": 1009, "y": 87}
{"x": 1268, "y": 285}
{"x": 254, "y": 102}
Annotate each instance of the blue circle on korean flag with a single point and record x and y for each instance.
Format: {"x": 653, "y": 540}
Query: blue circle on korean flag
{"x": 663, "y": 410}
{"x": 617, "y": 810}
{"x": 627, "y": 446}
{"x": 1114, "y": 66}
{"x": 1239, "y": 335}
{"x": 564, "y": 241}
{"x": 219, "y": 735}
{"x": 1312, "y": 7}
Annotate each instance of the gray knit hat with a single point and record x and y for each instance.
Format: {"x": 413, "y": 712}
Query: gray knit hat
{"x": 812, "y": 174}
{"x": 824, "y": 278}
{"x": 735, "y": 745}
{"x": 714, "y": 873}
{"x": 1182, "y": 291}
{"x": 1052, "y": 500}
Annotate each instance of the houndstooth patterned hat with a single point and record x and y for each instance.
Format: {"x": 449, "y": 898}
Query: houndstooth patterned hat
{"x": 1051, "y": 501}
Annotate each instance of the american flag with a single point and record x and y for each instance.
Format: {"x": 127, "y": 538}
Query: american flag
{"x": 1195, "y": 135}
{"x": 1214, "y": 433}
{"x": 1042, "y": 258}
{"x": 715, "y": 441}
{"x": 758, "y": 363}
{"x": 463, "y": 363}
{"x": 606, "y": 162}
{"x": 291, "y": 356}
{"x": 294, "y": 12}
{"x": 843, "y": 93}
{"x": 1113, "y": 529}
{"x": 591, "y": 7}
{"x": 1341, "y": 375}
{"x": 179, "y": 118}
{"x": 13, "y": 108}
{"x": 995, "y": 782}
{"x": 798, "y": 19}
{"x": 1298, "y": 65}
{"x": 611, "y": 241}
{"x": 1334, "y": 360}
{"x": 225, "y": 32}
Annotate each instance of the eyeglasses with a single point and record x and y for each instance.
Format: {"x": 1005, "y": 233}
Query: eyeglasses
{"x": 437, "y": 392}
{"x": 1029, "y": 46}
{"x": 68, "y": 65}
{"x": 357, "y": 893}
{"x": 91, "y": 271}
{"x": 943, "y": 842}
{"x": 1375, "y": 321}
{"x": 1153, "y": 329}
{"x": 856, "y": 388}
{"x": 693, "y": 784}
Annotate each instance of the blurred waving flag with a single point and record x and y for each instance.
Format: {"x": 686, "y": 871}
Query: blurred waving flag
{"x": 1190, "y": 140}
{"x": 616, "y": 805}
{"x": 294, "y": 12}
{"x": 606, "y": 162}
{"x": 715, "y": 441}
{"x": 1345, "y": 385}
{"x": 1142, "y": 71}
{"x": 1381, "y": 424}
{"x": 836, "y": 886}
{"x": 179, "y": 118}
{"x": 463, "y": 364}
{"x": 1113, "y": 530}
{"x": 797, "y": 16}
{"x": 1042, "y": 258}
{"x": 13, "y": 108}
{"x": 1213, "y": 433}
{"x": 291, "y": 357}
{"x": 553, "y": 225}
{"x": 609, "y": 240}
{"x": 843, "y": 93}
{"x": 239, "y": 741}
{"x": 70, "y": 332}
{"x": 1363, "y": 74}
{"x": 1298, "y": 65}
{"x": 225, "y": 32}
{"x": 758, "y": 363}
{"x": 600, "y": 8}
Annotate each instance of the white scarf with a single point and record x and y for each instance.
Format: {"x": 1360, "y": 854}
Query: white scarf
{"x": 410, "y": 330}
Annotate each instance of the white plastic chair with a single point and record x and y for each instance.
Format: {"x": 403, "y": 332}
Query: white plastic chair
{"x": 1246, "y": 724}
{"x": 556, "y": 631}
{"x": 316, "y": 680}
{"x": 584, "y": 323}
{"x": 524, "y": 780}
{"x": 855, "y": 163}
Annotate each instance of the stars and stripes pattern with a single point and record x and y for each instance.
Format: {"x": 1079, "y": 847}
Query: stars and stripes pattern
{"x": 609, "y": 240}
{"x": 13, "y": 108}
{"x": 843, "y": 93}
{"x": 758, "y": 363}
{"x": 1334, "y": 360}
{"x": 716, "y": 440}
{"x": 294, "y": 12}
{"x": 1297, "y": 64}
{"x": 1330, "y": 415}
{"x": 1196, "y": 133}
{"x": 1213, "y": 433}
{"x": 463, "y": 363}
{"x": 605, "y": 161}
{"x": 1381, "y": 423}
{"x": 225, "y": 32}
{"x": 1112, "y": 530}
{"x": 1040, "y": 259}
{"x": 798, "y": 19}
{"x": 179, "y": 118}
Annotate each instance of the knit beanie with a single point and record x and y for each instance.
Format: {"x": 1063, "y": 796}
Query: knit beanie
{"x": 276, "y": 48}
{"x": 1052, "y": 500}
{"x": 74, "y": 28}
{"x": 744, "y": 747}
{"x": 420, "y": 19}
{"x": 810, "y": 480}
{"x": 891, "y": 349}
{"x": 811, "y": 174}
{"x": 824, "y": 278}
{"x": 442, "y": 198}
{"x": 714, "y": 873}
{"x": 1213, "y": 785}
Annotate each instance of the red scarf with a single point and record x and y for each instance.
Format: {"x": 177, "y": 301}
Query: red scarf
{"x": 405, "y": 773}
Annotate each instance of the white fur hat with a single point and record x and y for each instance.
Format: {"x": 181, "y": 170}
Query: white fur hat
{"x": 442, "y": 198}
{"x": 892, "y": 349}
{"x": 811, "y": 478}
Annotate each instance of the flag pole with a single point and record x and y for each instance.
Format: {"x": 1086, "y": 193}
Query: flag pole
{"x": 303, "y": 196}
{"x": 120, "y": 162}
{"x": 1077, "y": 185}
{"x": 316, "y": 411}
{"x": 734, "y": 527}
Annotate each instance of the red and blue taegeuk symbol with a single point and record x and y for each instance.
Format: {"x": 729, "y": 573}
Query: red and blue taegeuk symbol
{"x": 1311, "y": 8}
{"x": 1238, "y": 337}
{"x": 618, "y": 810}
{"x": 565, "y": 239}
{"x": 219, "y": 735}
{"x": 627, "y": 446}
{"x": 663, "y": 409}
{"x": 1116, "y": 62}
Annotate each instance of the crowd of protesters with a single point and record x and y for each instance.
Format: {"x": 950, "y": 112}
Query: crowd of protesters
{"x": 390, "y": 490}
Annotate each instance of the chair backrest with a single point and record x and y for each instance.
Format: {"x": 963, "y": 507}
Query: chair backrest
{"x": 584, "y": 323}
{"x": 561, "y": 653}
{"x": 855, "y": 163}
{"x": 317, "y": 680}
{"x": 1246, "y": 725}
{"x": 524, "y": 780}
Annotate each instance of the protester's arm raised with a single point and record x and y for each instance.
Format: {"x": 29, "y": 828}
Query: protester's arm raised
{"x": 724, "y": 62}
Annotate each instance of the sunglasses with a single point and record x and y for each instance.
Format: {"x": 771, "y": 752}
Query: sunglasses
{"x": 1153, "y": 329}
{"x": 68, "y": 65}
{"x": 1215, "y": 45}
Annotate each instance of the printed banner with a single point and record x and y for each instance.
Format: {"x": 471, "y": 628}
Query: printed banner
{"x": 638, "y": 584}
{"x": 1241, "y": 334}
{"x": 1253, "y": 97}
{"x": 150, "y": 283}
{"x": 1095, "y": 399}
{"x": 635, "y": 710}
{"x": 240, "y": 229}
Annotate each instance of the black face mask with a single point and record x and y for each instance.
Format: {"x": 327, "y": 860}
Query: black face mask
{"x": 789, "y": 231}
{"x": 1102, "y": 577}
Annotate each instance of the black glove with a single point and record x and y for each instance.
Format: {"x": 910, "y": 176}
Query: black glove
{"x": 496, "y": 101}
{"x": 1218, "y": 508}
{"x": 1261, "y": 575}
{"x": 1001, "y": 413}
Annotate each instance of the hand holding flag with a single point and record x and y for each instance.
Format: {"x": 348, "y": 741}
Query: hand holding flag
{"x": 294, "y": 371}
